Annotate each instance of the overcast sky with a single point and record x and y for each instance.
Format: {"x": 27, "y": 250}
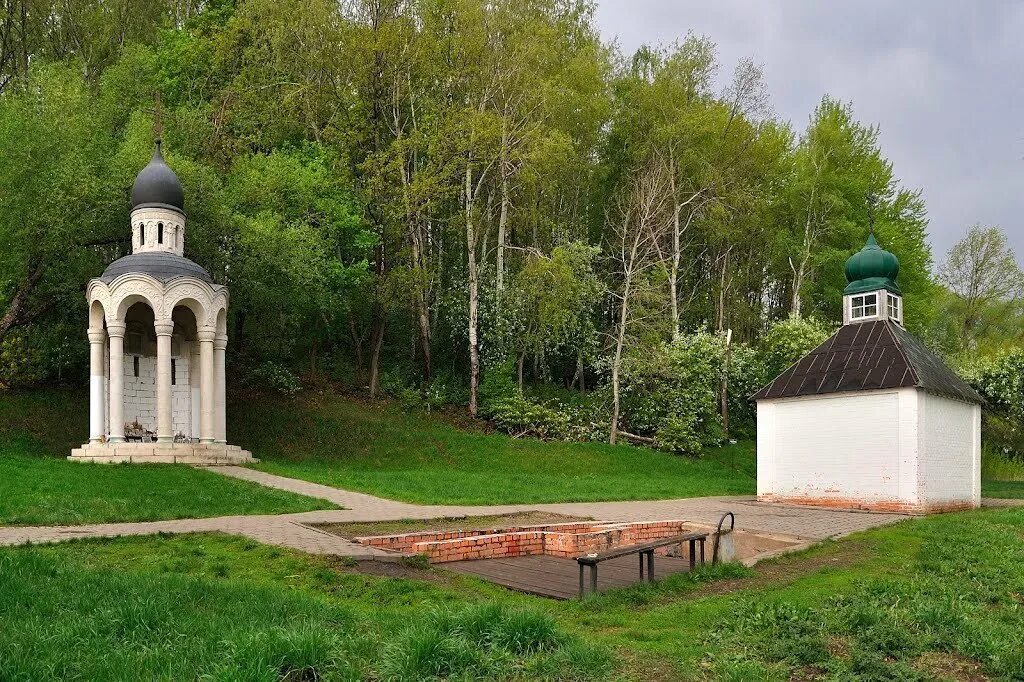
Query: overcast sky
{"x": 943, "y": 80}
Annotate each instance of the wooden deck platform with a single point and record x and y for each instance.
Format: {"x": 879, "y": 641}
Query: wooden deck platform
{"x": 559, "y": 578}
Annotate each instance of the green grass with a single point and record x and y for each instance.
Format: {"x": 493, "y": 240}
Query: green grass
{"x": 215, "y": 607}
{"x": 379, "y": 449}
{"x": 40, "y": 487}
{"x": 1013, "y": 490}
{"x": 1001, "y": 476}
{"x": 932, "y": 597}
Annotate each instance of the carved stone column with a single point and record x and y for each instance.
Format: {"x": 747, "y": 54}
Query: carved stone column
{"x": 97, "y": 375}
{"x": 164, "y": 420}
{"x": 207, "y": 426}
{"x": 115, "y": 331}
{"x": 195, "y": 394}
{"x": 220, "y": 344}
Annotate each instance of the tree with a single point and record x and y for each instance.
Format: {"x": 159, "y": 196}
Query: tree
{"x": 982, "y": 272}
{"x": 638, "y": 225}
{"x": 550, "y": 298}
{"x": 56, "y": 220}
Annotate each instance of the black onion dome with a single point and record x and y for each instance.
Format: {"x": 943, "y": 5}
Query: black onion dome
{"x": 157, "y": 184}
{"x": 163, "y": 265}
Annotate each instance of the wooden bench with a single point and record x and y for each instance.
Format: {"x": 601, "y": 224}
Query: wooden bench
{"x": 645, "y": 550}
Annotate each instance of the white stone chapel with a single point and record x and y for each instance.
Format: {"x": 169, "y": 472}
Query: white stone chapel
{"x": 157, "y": 338}
{"x": 871, "y": 418}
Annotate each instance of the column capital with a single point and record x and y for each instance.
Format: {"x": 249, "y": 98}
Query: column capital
{"x": 116, "y": 329}
{"x": 206, "y": 334}
{"x": 164, "y": 327}
{"x": 220, "y": 342}
{"x": 97, "y": 336}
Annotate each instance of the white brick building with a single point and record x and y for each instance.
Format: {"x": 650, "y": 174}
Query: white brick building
{"x": 871, "y": 418}
{"x": 158, "y": 335}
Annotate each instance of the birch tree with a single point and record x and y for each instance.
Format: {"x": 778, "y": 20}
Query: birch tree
{"x": 638, "y": 225}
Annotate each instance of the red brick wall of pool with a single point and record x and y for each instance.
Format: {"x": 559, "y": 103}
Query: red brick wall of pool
{"x": 560, "y": 539}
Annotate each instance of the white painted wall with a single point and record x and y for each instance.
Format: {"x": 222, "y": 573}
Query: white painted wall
{"x": 902, "y": 447}
{"x": 950, "y": 460}
{"x": 846, "y": 446}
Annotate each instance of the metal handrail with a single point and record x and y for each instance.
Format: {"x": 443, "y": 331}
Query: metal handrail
{"x": 718, "y": 534}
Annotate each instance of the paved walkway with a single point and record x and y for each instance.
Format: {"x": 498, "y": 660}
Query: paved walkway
{"x": 295, "y": 531}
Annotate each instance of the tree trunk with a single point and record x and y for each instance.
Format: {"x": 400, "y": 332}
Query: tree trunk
{"x": 502, "y": 224}
{"x": 16, "y": 310}
{"x": 519, "y": 367}
{"x": 800, "y": 272}
{"x": 376, "y": 342}
{"x": 673, "y": 277}
{"x": 422, "y": 312}
{"x": 620, "y": 342}
{"x": 419, "y": 266}
{"x": 720, "y": 305}
{"x": 724, "y": 393}
{"x": 357, "y": 343}
{"x": 474, "y": 301}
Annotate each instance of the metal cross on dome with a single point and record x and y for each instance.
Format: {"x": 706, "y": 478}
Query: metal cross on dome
{"x": 158, "y": 119}
{"x": 872, "y": 201}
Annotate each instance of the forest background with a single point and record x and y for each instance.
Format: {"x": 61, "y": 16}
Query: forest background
{"x": 472, "y": 203}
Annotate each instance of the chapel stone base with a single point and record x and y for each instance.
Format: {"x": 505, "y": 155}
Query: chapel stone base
{"x": 196, "y": 454}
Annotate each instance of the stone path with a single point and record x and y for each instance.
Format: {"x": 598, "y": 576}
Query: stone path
{"x": 295, "y": 531}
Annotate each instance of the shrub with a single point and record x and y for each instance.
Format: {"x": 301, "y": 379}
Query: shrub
{"x": 787, "y": 341}
{"x": 276, "y": 376}
{"x": 671, "y": 392}
{"x": 524, "y": 417}
{"x": 1000, "y": 380}
{"x": 679, "y": 434}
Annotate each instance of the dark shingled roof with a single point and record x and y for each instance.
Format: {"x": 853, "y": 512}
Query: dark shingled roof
{"x": 865, "y": 356}
{"x": 163, "y": 265}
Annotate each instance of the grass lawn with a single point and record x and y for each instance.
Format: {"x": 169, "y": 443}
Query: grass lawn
{"x": 1005, "y": 489}
{"x": 40, "y": 487}
{"x": 937, "y": 597}
{"x": 382, "y": 450}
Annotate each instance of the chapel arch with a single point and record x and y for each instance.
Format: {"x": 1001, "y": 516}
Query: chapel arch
{"x": 130, "y": 300}
{"x": 97, "y": 315}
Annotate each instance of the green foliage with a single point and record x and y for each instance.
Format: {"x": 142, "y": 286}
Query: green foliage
{"x": 551, "y": 301}
{"x": 326, "y": 162}
{"x": 1000, "y": 380}
{"x": 276, "y": 377}
{"x": 787, "y": 341}
{"x": 525, "y": 417}
{"x": 672, "y": 392}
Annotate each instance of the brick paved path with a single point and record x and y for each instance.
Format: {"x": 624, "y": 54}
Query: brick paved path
{"x": 292, "y": 530}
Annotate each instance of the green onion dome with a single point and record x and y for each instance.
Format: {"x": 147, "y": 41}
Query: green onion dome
{"x": 872, "y": 268}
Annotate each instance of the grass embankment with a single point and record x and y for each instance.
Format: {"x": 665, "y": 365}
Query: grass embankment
{"x": 38, "y": 486}
{"x": 938, "y": 597}
{"x": 379, "y": 449}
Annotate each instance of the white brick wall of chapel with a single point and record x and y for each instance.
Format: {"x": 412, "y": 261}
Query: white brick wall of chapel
{"x": 140, "y": 394}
